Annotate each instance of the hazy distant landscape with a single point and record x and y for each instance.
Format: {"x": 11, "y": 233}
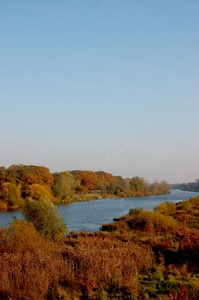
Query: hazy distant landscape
{"x": 189, "y": 186}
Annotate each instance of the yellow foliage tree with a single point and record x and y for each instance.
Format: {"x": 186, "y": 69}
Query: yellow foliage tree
{"x": 38, "y": 192}
{"x": 11, "y": 194}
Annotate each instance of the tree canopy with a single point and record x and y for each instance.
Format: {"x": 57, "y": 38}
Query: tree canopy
{"x": 19, "y": 183}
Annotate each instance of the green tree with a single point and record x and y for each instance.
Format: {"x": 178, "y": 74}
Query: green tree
{"x": 136, "y": 183}
{"x": 140, "y": 185}
{"x": 64, "y": 184}
{"x": 45, "y": 218}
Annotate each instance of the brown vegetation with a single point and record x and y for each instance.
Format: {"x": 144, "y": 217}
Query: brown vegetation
{"x": 144, "y": 255}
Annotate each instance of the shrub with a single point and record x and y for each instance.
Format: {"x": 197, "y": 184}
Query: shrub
{"x": 151, "y": 221}
{"x": 139, "y": 194}
{"x": 44, "y": 216}
{"x": 166, "y": 208}
{"x": 185, "y": 205}
{"x": 29, "y": 263}
{"x": 21, "y": 236}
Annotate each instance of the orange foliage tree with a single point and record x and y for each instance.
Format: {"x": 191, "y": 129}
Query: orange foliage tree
{"x": 11, "y": 194}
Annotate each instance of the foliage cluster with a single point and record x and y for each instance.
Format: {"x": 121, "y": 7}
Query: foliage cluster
{"x": 143, "y": 255}
{"x": 45, "y": 218}
{"x": 20, "y": 182}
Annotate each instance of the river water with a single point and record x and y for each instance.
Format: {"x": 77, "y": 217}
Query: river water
{"x": 89, "y": 216}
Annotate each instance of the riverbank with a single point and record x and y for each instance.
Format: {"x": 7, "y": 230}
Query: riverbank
{"x": 78, "y": 197}
{"x": 144, "y": 255}
{"x": 90, "y": 215}
{"x": 21, "y": 182}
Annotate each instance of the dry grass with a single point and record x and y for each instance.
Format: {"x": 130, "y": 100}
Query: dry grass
{"x": 144, "y": 256}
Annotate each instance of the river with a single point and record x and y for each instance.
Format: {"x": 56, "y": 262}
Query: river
{"x": 89, "y": 216}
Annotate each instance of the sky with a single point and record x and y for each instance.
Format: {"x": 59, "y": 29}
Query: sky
{"x": 106, "y": 85}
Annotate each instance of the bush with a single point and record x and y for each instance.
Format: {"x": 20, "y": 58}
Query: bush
{"x": 29, "y": 263}
{"x": 166, "y": 208}
{"x": 44, "y": 216}
{"x": 21, "y": 236}
{"x": 139, "y": 194}
{"x": 151, "y": 221}
{"x": 185, "y": 205}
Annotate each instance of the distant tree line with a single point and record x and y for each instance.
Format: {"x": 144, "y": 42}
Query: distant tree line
{"x": 19, "y": 183}
{"x": 190, "y": 186}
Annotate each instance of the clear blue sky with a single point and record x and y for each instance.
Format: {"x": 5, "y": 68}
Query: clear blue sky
{"x": 101, "y": 85}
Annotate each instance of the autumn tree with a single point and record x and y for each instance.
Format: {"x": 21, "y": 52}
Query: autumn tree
{"x": 102, "y": 187}
{"x": 160, "y": 187}
{"x": 64, "y": 185}
{"x": 38, "y": 192}
{"x": 82, "y": 189}
{"x": 140, "y": 186}
{"x": 2, "y": 175}
{"x": 45, "y": 218}
{"x": 111, "y": 187}
{"x": 20, "y": 235}
{"x": 88, "y": 179}
{"x": 11, "y": 193}
{"x": 25, "y": 174}
{"x": 104, "y": 179}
